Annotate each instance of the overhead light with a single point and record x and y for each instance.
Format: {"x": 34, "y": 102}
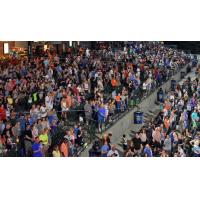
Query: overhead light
{"x": 70, "y": 43}
{"x": 45, "y": 47}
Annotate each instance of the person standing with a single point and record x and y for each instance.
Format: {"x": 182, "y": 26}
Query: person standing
{"x": 44, "y": 138}
{"x": 101, "y": 117}
{"x": 137, "y": 144}
{"x": 56, "y": 152}
{"x": 64, "y": 148}
{"x": 168, "y": 145}
{"x": 118, "y": 102}
{"x": 88, "y": 112}
{"x": 37, "y": 148}
{"x": 113, "y": 152}
{"x": 28, "y": 138}
{"x": 2, "y": 113}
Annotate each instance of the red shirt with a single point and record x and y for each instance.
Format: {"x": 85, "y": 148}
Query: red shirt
{"x": 2, "y": 113}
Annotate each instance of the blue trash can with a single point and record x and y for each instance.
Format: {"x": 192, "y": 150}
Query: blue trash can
{"x": 138, "y": 117}
{"x": 160, "y": 95}
{"x": 173, "y": 85}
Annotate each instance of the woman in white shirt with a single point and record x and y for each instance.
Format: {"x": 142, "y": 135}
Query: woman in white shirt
{"x": 49, "y": 102}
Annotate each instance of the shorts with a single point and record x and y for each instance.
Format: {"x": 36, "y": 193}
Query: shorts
{"x": 101, "y": 120}
{"x": 64, "y": 109}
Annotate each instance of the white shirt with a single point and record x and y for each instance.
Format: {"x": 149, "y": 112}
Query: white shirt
{"x": 49, "y": 102}
{"x": 43, "y": 111}
{"x": 144, "y": 86}
{"x": 87, "y": 52}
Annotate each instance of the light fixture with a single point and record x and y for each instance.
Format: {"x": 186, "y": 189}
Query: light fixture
{"x": 6, "y": 48}
{"x": 45, "y": 47}
{"x": 70, "y": 43}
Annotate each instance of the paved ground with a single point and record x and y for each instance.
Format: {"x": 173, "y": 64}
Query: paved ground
{"x": 149, "y": 112}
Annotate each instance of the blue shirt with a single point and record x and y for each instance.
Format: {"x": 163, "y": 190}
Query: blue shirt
{"x": 194, "y": 116}
{"x": 101, "y": 113}
{"x": 59, "y": 68}
{"x": 148, "y": 152}
{"x": 31, "y": 121}
{"x": 50, "y": 118}
{"x": 22, "y": 124}
{"x": 105, "y": 148}
{"x": 75, "y": 132}
{"x": 36, "y": 147}
{"x": 171, "y": 137}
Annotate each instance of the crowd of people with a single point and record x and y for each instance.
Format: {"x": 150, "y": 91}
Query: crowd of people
{"x": 37, "y": 95}
{"x": 175, "y": 132}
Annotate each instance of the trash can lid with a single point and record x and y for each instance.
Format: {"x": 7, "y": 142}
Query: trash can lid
{"x": 138, "y": 112}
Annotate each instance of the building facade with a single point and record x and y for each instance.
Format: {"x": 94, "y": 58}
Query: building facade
{"x": 7, "y": 46}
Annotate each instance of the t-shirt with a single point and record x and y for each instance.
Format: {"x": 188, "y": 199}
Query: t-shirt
{"x": 44, "y": 138}
{"x": 29, "y": 134}
{"x": 101, "y": 113}
{"x": 50, "y": 118}
{"x": 48, "y": 102}
{"x": 34, "y": 97}
{"x": 196, "y": 149}
{"x": 75, "y": 132}
{"x": 137, "y": 143}
{"x": 148, "y": 152}
{"x": 194, "y": 116}
{"x": 36, "y": 150}
{"x": 112, "y": 153}
{"x": 22, "y": 122}
{"x": 56, "y": 153}
{"x": 64, "y": 149}
{"x": 105, "y": 148}
{"x": 10, "y": 100}
{"x": 68, "y": 102}
{"x": 117, "y": 98}
{"x": 2, "y": 114}
{"x": 113, "y": 82}
{"x": 166, "y": 123}
{"x": 167, "y": 144}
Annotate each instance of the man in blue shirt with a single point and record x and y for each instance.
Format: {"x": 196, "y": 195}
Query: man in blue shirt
{"x": 75, "y": 131}
{"x": 101, "y": 117}
{"x": 36, "y": 148}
